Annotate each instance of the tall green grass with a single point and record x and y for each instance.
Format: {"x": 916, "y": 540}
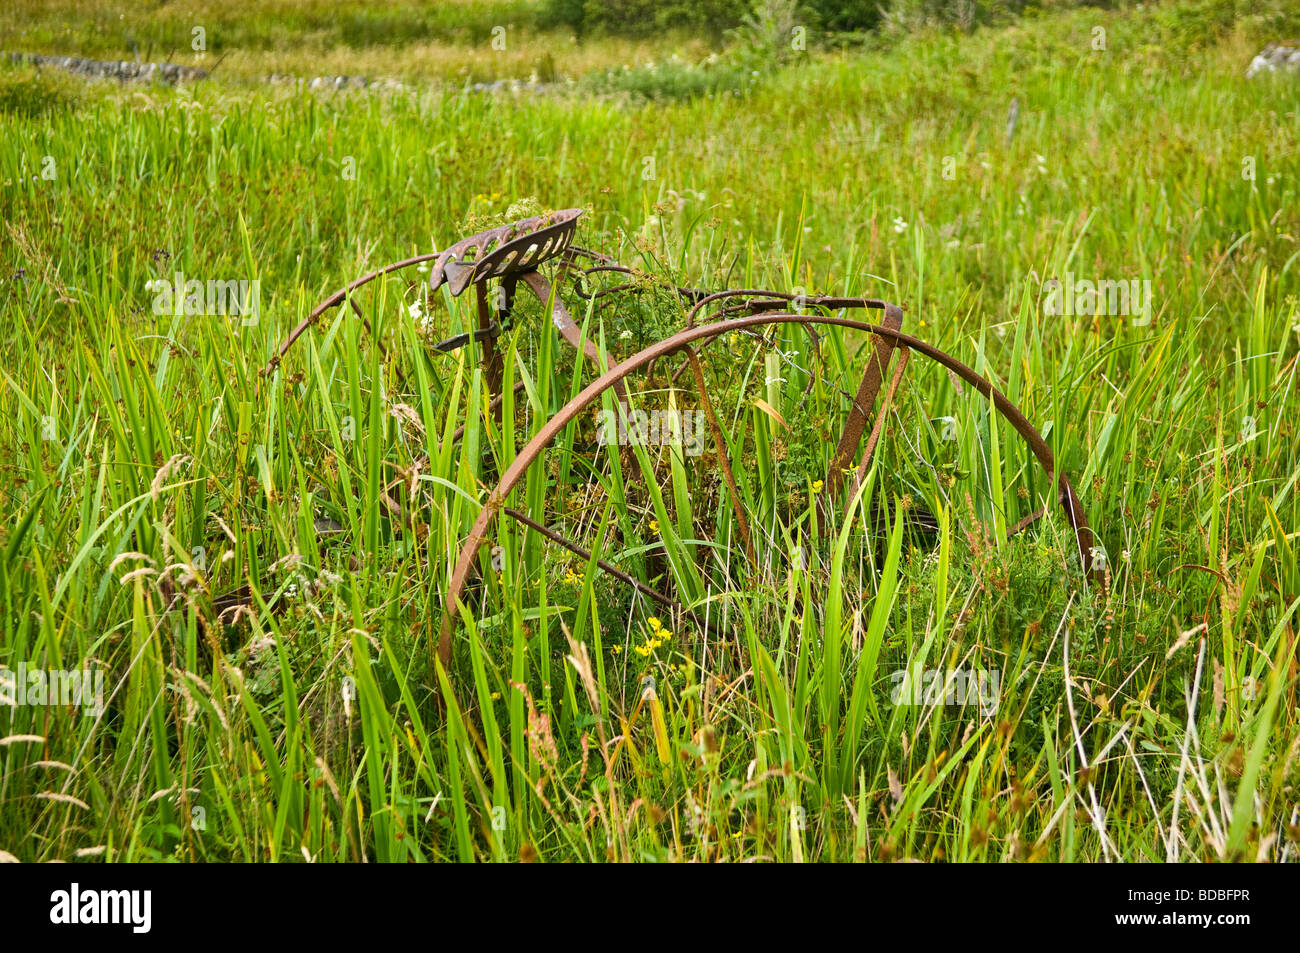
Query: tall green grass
{"x": 151, "y": 471}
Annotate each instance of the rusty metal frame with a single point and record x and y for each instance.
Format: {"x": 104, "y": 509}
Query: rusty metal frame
{"x": 513, "y": 253}
{"x": 1067, "y": 496}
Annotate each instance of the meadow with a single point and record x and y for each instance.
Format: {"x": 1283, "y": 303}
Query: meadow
{"x": 220, "y": 543}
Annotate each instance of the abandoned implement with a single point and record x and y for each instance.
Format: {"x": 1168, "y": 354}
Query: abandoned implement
{"x": 512, "y": 254}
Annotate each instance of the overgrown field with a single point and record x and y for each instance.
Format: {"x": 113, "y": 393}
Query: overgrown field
{"x": 409, "y": 40}
{"x": 217, "y": 542}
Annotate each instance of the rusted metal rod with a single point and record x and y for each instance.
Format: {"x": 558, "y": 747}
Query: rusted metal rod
{"x": 560, "y": 540}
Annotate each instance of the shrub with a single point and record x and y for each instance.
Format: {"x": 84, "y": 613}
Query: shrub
{"x": 844, "y": 14}
{"x": 640, "y": 17}
{"x": 670, "y": 80}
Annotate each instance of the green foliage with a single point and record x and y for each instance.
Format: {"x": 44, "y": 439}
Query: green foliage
{"x": 1198, "y": 24}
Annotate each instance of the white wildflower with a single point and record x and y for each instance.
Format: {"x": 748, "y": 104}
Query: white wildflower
{"x": 1250, "y": 688}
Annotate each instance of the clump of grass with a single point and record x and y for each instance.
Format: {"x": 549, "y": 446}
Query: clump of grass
{"x": 30, "y": 93}
{"x": 671, "y": 79}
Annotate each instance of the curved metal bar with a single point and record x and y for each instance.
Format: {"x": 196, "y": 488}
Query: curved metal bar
{"x": 1066, "y": 496}
{"x": 820, "y": 301}
{"x": 772, "y": 300}
{"x": 510, "y": 249}
{"x": 337, "y": 298}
